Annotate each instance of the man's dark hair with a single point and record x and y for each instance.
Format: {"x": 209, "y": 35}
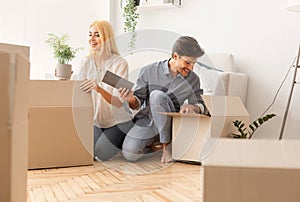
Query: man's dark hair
{"x": 187, "y": 46}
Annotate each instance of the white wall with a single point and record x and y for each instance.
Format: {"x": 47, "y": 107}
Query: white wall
{"x": 28, "y": 22}
{"x": 262, "y": 35}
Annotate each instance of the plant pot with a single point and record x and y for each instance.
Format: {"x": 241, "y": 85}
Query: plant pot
{"x": 63, "y": 71}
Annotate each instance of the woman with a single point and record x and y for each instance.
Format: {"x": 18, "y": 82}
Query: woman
{"x": 111, "y": 119}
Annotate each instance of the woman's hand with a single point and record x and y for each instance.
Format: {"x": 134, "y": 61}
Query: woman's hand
{"x": 88, "y": 85}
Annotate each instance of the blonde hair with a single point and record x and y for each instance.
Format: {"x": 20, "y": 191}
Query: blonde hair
{"x": 107, "y": 37}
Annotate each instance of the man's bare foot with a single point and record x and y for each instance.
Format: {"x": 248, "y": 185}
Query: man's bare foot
{"x": 166, "y": 154}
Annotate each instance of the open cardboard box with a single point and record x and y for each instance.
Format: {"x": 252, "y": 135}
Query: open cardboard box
{"x": 242, "y": 170}
{"x": 190, "y": 131}
{"x": 60, "y": 124}
{"x": 14, "y": 78}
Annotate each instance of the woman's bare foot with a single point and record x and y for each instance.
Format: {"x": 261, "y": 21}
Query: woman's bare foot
{"x": 166, "y": 154}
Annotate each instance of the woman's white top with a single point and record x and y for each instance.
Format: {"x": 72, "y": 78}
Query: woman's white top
{"x": 105, "y": 114}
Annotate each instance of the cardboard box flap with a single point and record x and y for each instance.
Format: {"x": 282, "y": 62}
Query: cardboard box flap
{"x": 58, "y": 93}
{"x": 225, "y": 105}
{"x": 13, "y": 48}
{"x": 218, "y": 106}
{"x": 14, "y": 81}
{"x": 176, "y": 114}
{"x": 20, "y": 89}
{"x": 253, "y": 153}
{"x": 4, "y": 79}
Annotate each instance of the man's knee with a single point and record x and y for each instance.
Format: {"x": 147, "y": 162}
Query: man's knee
{"x": 131, "y": 150}
{"x": 131, "y": 157}
{"x": 158, "y": 97}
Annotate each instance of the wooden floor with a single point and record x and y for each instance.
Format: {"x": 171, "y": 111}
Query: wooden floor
{"x": 117, "y": 180}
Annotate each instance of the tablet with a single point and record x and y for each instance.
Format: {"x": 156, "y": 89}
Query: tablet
{"x": 116, "y": 81}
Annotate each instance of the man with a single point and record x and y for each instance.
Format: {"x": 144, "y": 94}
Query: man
{"x": 163, "y": 87}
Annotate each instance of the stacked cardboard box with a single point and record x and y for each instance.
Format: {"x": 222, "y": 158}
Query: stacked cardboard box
{"x": 60, "y": 124}
{"x": 14, "y": 78}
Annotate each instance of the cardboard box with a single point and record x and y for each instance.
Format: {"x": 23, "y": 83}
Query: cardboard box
{"x": 239, "y": 170}
{"x": 14, "y": 78}
{"x": 12, "y": 48}
{"x": 191, "y": 131}
{"x": 60, "y": 125}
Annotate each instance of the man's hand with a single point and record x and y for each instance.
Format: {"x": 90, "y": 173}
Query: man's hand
{"x": 88, "y": 85}
{"x": 188, "y": 108}
{"x": 125, "y": 94}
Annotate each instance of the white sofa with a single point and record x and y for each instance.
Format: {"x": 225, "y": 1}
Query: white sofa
{"x": 233, "y": 83}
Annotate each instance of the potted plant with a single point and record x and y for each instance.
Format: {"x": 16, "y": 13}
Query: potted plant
{"x": 247, "y": 131}
{"x": 130, "y": 21}
{"x": 64, "y": 53}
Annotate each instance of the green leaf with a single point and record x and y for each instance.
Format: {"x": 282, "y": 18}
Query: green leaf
{"x": 62, "y": 51}
{"x": 241, "y": 128}
{"x": 251, "y": 127}
{"x": 131, "y": 17}
{"x": 259, "y": 122}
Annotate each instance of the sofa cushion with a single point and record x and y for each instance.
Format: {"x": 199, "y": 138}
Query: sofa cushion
{"x": 221, "y": 61}
{"x": 235, "y": 84}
